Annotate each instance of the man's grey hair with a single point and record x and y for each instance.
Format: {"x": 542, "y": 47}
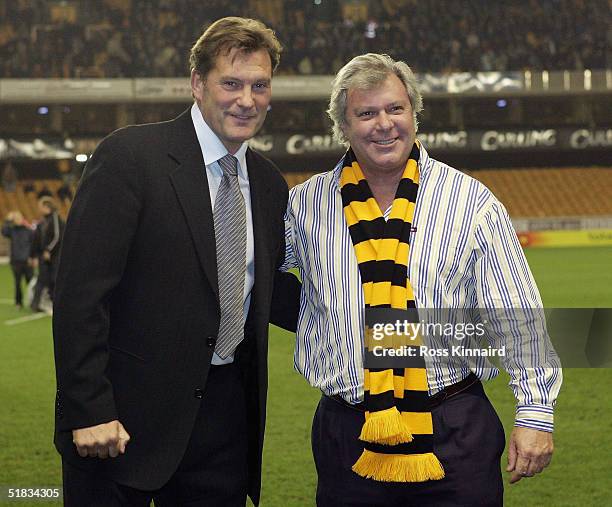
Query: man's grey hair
{"x": 366, "y": 72}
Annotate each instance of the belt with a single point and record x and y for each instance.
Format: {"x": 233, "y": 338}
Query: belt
{"x": 434, "y": 400}
{"x": 452, "y": 390}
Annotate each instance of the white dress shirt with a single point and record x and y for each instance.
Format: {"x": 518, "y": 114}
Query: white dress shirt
{"x": 213, "y": 150}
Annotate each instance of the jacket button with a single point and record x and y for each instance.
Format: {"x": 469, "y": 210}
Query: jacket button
{"x": 210, "y": 341}
{"x": 198, "y": 393}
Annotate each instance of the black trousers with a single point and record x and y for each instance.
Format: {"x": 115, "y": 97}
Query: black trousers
{"x": 468, "y": 439}
{"x": 21, "y": 270}
{"x": 46, "y": 279}
{"x": 213, "y": 471}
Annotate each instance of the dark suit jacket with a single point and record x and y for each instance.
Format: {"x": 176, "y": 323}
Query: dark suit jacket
{"x": 136, "y": 309}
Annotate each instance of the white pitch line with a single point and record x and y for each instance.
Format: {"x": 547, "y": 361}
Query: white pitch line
{"x": 27, "y": 318}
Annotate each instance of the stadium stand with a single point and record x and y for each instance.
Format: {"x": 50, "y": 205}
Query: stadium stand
{"x": 25, "y": 200}
{"x": 151, "y": 38}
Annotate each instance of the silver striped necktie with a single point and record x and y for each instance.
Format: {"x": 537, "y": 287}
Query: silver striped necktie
{"x": 230, "y": 237}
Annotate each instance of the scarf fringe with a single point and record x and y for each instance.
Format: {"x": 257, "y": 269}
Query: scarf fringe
{"x": 399, "y": 467}
{"x": 385, "y": 427}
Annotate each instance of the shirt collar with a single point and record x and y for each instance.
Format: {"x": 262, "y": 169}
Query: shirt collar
{"x": 211, "y": 146}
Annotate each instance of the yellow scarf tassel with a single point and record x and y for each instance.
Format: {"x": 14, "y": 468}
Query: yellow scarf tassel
{"x": 385, "y": 427}
{"x": 399, "y": 467}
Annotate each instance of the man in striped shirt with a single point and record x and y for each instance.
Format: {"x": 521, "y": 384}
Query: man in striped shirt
{"x": 463, "y": 254}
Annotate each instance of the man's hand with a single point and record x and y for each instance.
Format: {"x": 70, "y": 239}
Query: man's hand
{"x": 47, "y": 255}
{"x": 101, "y": 441}
{"x": 529, "y": 452}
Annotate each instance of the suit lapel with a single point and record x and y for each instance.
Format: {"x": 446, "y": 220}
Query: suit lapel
{"x": 191, "y": 187}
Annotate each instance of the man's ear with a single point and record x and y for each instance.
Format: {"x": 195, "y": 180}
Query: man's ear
{"x": 197, "y": 85}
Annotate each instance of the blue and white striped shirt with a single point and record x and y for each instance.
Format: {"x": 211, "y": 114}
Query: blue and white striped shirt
{"x": 464, "y": 253}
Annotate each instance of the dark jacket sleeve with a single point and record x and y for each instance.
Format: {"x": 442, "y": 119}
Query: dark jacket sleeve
{"x": 285, "y": 300}
{"x": 36, "y": 246}
{"x": 6, "y": 229}
{"x": 55, "y": 230}
{"x": 285, "y": 305}
{"x": 99, "y": 231}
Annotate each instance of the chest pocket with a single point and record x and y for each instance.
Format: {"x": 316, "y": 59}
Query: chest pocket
{"x": 439, "y": 267}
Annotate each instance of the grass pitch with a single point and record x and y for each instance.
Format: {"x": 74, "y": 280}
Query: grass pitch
{"x": 579, "y": 473}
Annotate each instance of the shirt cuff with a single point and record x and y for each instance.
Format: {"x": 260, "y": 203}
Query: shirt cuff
{"x": 536, "y": 417}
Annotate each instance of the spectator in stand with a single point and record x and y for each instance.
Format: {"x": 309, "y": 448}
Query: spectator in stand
{"x": 28, "y": 188}
{"x": 44, "y": 192}
{"x": 64, "y": 193}
{"x": 45, "y": 248}
{"x": 20, "y": 234}
{"x": 9, "y": 178}
{"x": 67, "y": 170}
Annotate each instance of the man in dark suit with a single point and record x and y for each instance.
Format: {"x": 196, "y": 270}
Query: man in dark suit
{"x": 164, "y": 290}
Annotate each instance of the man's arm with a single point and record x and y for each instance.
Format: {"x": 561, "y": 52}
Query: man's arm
{"x": 53, "y": 243}
{"x": 287, "y": 287}
{"x": 97, "y": 240}
{"x": 285, "y": 301}
{"x": 289, "y": 260}
{"x": 35, "y": 247}
{"x": 505, "y": 286}
{"x": 7, "y": 226}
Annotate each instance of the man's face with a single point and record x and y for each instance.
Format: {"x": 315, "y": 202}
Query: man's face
{"x": 235, "y": 95}
{"x": 18, "y": 218}
{"x": 380, "y": 127}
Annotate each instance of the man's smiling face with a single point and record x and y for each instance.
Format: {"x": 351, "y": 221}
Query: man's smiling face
{"x": 379, "y": 125}
{"x": 235, "y": 95}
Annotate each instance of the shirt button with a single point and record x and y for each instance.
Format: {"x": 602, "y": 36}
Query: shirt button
{"x": 210, "y": 341}
{"x": 198, "y": 393}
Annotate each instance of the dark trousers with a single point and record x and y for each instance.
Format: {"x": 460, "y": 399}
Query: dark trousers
{"x": 46, "y": 279}
{"x": 213, "y": 471}
{"x": 21, "y": 270}
{"x": 468, "y": 440}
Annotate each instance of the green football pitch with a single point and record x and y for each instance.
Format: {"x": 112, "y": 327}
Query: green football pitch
{"x": 580, "y": 473}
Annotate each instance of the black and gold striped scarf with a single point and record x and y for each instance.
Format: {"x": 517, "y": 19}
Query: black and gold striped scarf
{"x": 398, "y": 429}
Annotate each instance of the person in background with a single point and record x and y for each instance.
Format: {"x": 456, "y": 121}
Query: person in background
{"x": 64, "y": 193}
{"x": 44, "y": 192}
{"x": 9, "y": 177}
{"x": 45, "y": 249}
{"x": 20, "y": 234}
